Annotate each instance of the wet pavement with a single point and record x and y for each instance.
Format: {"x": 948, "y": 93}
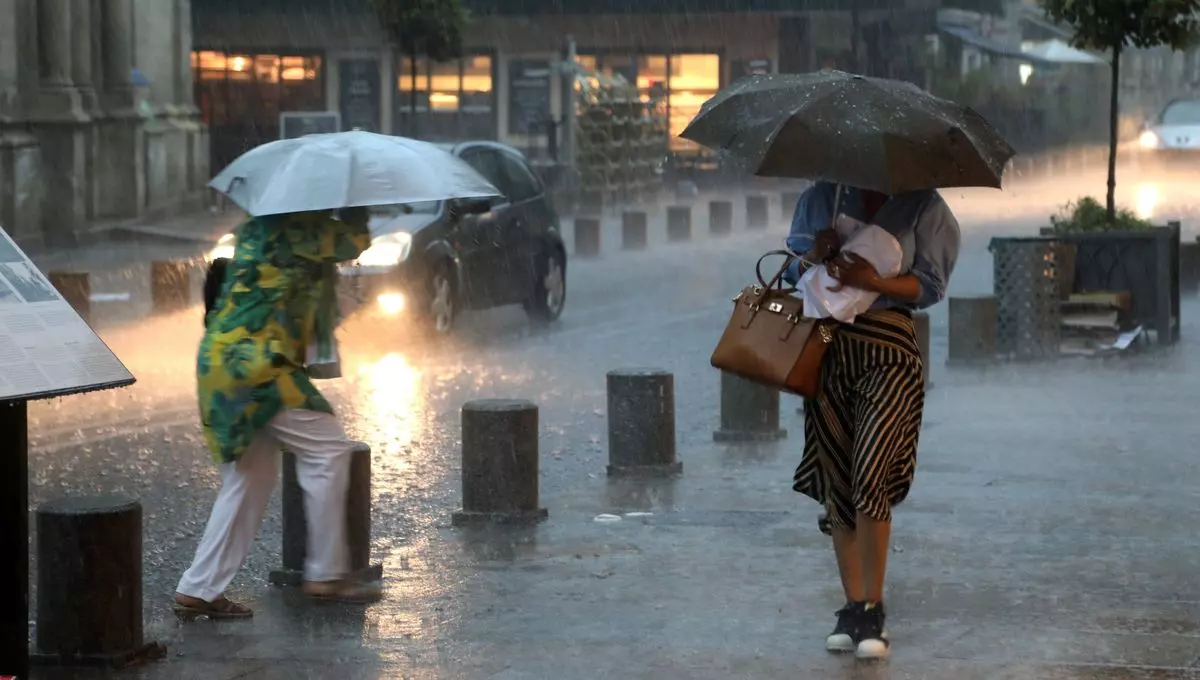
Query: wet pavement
{"x": 1049, "y": 535}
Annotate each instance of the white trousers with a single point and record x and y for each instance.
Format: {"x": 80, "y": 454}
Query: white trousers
{"x": 322, "y": 454}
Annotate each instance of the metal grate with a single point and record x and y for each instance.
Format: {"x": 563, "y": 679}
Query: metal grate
{"x": 1025, "y": 281}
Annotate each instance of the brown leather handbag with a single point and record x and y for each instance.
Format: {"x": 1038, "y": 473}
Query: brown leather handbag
{"x": 768, "y": 339}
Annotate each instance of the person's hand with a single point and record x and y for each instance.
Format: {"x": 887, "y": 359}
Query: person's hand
{"x": 852, "y": 270}
{"x": 826, "y": 244}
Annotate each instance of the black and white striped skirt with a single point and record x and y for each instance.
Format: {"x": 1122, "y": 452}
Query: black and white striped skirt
{"x": 860, "y": 433}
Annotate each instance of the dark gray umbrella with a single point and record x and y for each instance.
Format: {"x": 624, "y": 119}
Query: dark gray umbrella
{"x": 871, "y": 133}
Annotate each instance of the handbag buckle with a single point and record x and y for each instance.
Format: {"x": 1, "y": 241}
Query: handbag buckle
{"x": 826, "y": 333}
{"x": 776, "y": 307}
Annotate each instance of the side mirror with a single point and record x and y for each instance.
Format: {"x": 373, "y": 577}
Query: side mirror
{"x": 470, "y": 206}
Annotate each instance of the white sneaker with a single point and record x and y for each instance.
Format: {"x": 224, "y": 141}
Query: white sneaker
{"x": 842, "y": 639}
{"x": 873, "y": 640}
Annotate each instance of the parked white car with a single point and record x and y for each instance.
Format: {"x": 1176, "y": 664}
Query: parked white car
{"x": 1175, "y": 131}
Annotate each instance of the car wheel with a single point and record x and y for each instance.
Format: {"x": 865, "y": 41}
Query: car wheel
{"x": 549, "y": 294}
{"x": 442, "y": 304}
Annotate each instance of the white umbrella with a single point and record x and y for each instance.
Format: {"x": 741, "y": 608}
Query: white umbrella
{"x": 1062, "y": 53}
{"x": 346, "y": 169}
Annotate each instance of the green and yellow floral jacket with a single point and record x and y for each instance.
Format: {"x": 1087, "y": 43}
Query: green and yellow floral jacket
{"x": 251, "y": 360}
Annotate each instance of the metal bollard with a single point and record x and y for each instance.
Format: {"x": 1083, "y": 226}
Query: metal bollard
{"x": 591, "y": 203}
{"x": 89, "y": 596}
{"x": 358, "y": 522}
{"x": 749, "y": 412}
{"x": 499, "y": 463}
{"x": 170, "y": 286}
{"x": 787, "y": 204}
{"x": 76, "y": 289}
{"x": 633, "y": 230}
{"x": 1189, "y": 268}
{"x": 921, "y": 325}
{"x": 679, "y": 223}
{"x": 587, "y": 236}
{"x": 757, "y": 212}
{"x": 972, "y": 330}
{"x": 720, "y": 218}
{"x": 641, "y": 423}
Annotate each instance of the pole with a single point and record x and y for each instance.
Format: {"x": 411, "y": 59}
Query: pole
{"x": 14, "y": 539}
{"x": 568, "y": 116}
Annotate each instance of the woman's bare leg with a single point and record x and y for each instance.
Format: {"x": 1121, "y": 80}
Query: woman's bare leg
{"x": 873, "y": 537}
{"x": 850, "y": 563}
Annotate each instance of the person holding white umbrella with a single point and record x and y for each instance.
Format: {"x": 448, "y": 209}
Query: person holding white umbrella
{"x": 307, "y": 199}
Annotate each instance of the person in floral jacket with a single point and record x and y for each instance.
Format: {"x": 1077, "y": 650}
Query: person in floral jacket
{"x": 256, "y": 397}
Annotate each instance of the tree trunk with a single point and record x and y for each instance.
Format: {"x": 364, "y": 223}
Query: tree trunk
{"x": 1113, "y": 123}
{"x": 412, "y": 102}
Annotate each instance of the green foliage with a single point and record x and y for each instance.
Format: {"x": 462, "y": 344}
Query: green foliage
{"x": 1087, "y": 215}
{"x": 1116, "y": 24}
{"x": 433, "y": 28}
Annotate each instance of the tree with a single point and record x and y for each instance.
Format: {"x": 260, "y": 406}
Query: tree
{"x": 429, "y": 28}
{"x": 1113, "y": 25}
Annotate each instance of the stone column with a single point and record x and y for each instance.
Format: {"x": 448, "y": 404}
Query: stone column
{"x": 118, "y": 44}
{"x": 54, "y": 42}
{"x": 81, "y": 42}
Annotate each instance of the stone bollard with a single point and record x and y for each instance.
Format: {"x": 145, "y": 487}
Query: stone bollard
{"x": 76, "y": 289}
{"x": 720, "y": 218}
{"x": 749, "y": 412}
{"x": 679, "y": 223}
{"x": 358, "y": 522}
{"x": 758, "y": 212}
{"x": 633, "y": 230}
{"x": 1189, "y": 268}
{"x": 499, "y": 463}
{"x": 89, "y": 576}
{"x": 170, "y": 286}
{"x": 921, "y": 324}
{"x": 972, "y": 330}
{"x": 587, "y": 236}
{"x": 591, "y": 203}
{"x": 787, "y": 205}
{"x": 641, "y": 423}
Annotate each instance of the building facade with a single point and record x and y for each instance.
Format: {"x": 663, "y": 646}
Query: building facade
{"x": 253, "y": 62}
{"x": 97, "y": 124}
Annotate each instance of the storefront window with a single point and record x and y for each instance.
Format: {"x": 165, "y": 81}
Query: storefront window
{"x": 454, "y": 99}
{"x": 241, "y": 96}
{"x": 444, "y": 83}
{"x": 694, "y": 79}
{"x": 477, "y": 85}
{"x": 686, "y": 81}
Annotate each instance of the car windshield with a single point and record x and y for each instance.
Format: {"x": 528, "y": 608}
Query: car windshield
{"x": 421, "y": 208}
{"x": 1182, "y": 113}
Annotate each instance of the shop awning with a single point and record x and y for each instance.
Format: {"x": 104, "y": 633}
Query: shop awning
{"x": 981, "y": 42}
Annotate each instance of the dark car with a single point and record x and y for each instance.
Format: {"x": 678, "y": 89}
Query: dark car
{"x": 431, "y": 260}
{"x": 428, "y": 261}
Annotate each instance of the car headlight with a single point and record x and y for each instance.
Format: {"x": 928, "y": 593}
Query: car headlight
{"x": 1148, "y": 140}
{"x": 388, "y": 250}
{"x": 224, "y": 248}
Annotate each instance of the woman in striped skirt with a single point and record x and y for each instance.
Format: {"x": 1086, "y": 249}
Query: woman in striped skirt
{"x": 860, "y": 433}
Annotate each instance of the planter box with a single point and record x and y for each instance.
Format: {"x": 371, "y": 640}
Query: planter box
{"x": 1032, "y": 275}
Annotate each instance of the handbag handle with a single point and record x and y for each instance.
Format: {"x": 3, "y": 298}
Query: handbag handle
{"x": 777, "y": 280}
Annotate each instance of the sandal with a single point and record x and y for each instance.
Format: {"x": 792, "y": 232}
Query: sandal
{"x": 347, "y": 591}
{"x": 192, "y": 608}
